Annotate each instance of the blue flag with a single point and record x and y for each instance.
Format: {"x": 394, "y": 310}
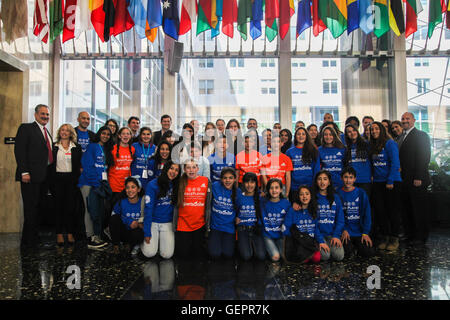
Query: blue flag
{"x": 154, "y": 15}
{"x": 219, "y": 9}
{"x": 352, "y": 15}
{"x": 171, "y": 20}
{"x": 366, "y": 21}
{"x": 304, "y": 20}
{"x": 257, "y": 16}
{"x": 138, "y": 12}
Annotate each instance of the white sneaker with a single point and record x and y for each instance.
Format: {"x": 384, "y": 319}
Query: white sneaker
{"x": 96, "y": 243}
{"x": 135, "y": 250}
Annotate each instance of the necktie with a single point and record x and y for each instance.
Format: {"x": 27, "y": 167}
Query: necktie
{"x": 50, "y": 153}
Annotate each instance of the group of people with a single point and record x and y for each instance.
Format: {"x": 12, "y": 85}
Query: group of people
{"x": 317, "y": 194}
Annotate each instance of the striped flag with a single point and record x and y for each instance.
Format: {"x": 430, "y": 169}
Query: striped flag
{"x": 188, "y": 15}
{"x": 41, "y": 27}
{"x": 396, "y": 17}
{"x": 413, "y": 8}
{"x": 334, "y": 14}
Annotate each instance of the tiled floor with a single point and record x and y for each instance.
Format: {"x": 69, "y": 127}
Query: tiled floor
{"x": 410, "y": 273}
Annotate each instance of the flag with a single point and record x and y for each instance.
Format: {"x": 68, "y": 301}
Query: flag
{"x": 229, "y": 17}
{"x": 244, "y": 16}
{"x": 188, "y": 15}
{"x": 434, "y": 16}
{"x": 138, "y": 12}
{"x": 447, "y": 16}
{"x": 154, "y": 14}
{"x": 318, "y": 25}
{"x": 413, "y": 8}
{"x": 353, "y": 15}
{"x": 214, "y": 18}
{"x": 334, "y": 14}
{"x": 287, "y": 10}
{"x": 204, "y": 16}
{"x": 217, "y": 14}
{"x": 257, "y": 17}
{"x": 15, "y": 19}
{"x": 303, "y": 16}
{"x": 110, "y": 11}
{"x": 396, "y": 17}
{"x": 41, "y": 27}
{"x": 69, "y": 20}
{"x": 82, "y": 18}
{"x": 122, "y": 18}
{"x": 171, "y": 22}
{"x": 272, "y": 12}
{"x": 56, "y": 18}
{"x": 381, "y": 19}
{"x": 443, "y": 6}
{"x": 368, "y": 46}
{"x": 366, "y": 19}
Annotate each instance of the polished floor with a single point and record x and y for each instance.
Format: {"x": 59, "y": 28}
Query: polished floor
{"x": 411, "y": 273}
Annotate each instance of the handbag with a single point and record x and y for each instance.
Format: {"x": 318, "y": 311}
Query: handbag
{"x": 299, "y": 247}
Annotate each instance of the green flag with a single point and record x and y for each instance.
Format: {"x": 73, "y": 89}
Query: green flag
{"x": 56, "y": 19}
{"x": 381, "y": 19}
{"x": 334, "y": 14}
{"x": 244, "y": 16}
{"x": 204, "y": 16}
{"x": 434, "y": 15}
{"x": 272, "y": 32}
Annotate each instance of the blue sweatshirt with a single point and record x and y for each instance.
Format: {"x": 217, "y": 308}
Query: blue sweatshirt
{"x": 159, "y": 210}
{"x": 362, "y": 166}
{"x": 82, "y": 139}
{"x": 273, "y": 214}
{"x": 386, "y": 164}
{"x": 332, "y": 160}
{"x": 217, "y": 163}
{"x": 302, "y": 173}
{"x": 331, "y": 220}
{"x": 93, "y": 164}
{"x": 356, "y": 208}
{"x": 222, "y": 209}
{"x": 304, "y": 223}
{"x": 128, "y": 211}
{"x": 141, "y": 162}
{"x": 246, "y": 209}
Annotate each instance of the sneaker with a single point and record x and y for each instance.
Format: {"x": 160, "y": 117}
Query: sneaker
{"x": 393, "y": 244}
{"x": 107, "y": 233}
{"x": 96, "y": 243}
{"x": 384, "y": 243}
{"x": 135, "y": 250}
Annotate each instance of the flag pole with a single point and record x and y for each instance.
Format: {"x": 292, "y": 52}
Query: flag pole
{"x": 440, "y": 38}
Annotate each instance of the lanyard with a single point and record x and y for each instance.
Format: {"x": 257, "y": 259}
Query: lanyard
{"x": 103, "y": 156}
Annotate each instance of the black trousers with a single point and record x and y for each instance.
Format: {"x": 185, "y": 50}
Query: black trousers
{"x": 387, "y": 205}
{"x": 416, "y": 216}
{"x": 119, "y": 232}
{"x": 109, "y": 207}
{"x": 190, "y": 244}
{"x": 64, "y": 192}
{"x": 361, "y": 248}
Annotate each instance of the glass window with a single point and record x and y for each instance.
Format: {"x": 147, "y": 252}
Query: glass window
{"x": 330, "y": 86}
{"x": 423, "y": 85}
{"x": 206, "y": 86}
{"x": 237, "y": 86}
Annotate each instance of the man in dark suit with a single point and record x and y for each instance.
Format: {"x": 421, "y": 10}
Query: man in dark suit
{"x": 415, "y": 152}
{"x": 166, "y": 123}
{"x": 33, "y": 152}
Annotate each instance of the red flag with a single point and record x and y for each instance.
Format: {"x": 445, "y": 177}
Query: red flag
{"x": 286, "y": 12}
{"x": 102, "y": 18}
{"x": 69, "y": 20}
{"x": 188, "y": 15}
{"x": 229, "y": 16}
{"x": 122, "y": 18}
{"x": 447, "y": 16}
{"x": 41, "y": 26}
{"x": 443, "y": 6}
{"x": 318, "y": 25}
{"x": 272, "y": 12}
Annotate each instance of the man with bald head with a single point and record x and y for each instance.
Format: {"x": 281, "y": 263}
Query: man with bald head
{"x": 84, "y": 135}
{"x": 415, "y": 152}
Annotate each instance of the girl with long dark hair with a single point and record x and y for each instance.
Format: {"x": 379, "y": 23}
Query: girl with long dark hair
{"x": 144, "y": 149}
{"x": 286, "y": 140}
{"x": 162, "y": 155}
{"x": 331, "y": 154}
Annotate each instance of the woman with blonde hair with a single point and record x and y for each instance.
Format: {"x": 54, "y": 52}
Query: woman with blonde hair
{"x": 65, "y": 171}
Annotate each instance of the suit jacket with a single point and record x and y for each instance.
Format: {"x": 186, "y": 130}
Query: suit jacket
{"x": 77, "y": 153}
{"x": 31, "y": 152}
{"x": 415, "y": 153}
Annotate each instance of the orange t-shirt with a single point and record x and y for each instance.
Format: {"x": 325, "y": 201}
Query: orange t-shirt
{"x": 276, "y": 167}
{"x": 191, "y": 216}
{"x": 122, "y": 168}
{"x": 250, "y": 162}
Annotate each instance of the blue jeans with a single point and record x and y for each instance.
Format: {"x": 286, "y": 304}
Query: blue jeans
{"x": 221, "y": 243}
{"x": 274, "y": 248}
{"x": 96, "y": 208}
{"x": 250, "y": 244}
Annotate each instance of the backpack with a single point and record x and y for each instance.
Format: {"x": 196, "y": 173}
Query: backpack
{"x": 299, "y": 247}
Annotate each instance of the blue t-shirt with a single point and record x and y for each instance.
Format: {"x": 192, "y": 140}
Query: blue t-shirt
{"x": 356, "y": 208}
{"x": 304, "y": 223}
{"x": 303, "y": 173}
{"x": 217, "y": 163}
{"x": 94, "y": 164}
{"x": 222, "y": 208}
{"x": 332, "y": 160}
{"x": 141, "y": 162}
{"x": 386, "y": 164}
{"x": 273, "y": 214}
{"x": 82, "y": 139}
{"x": 331, "y": 220}
{"x": 128, "y": 211}
{"x": 246, "y": 209}
{"x": 362, "y": 166}
{"x": 159, "y": 210}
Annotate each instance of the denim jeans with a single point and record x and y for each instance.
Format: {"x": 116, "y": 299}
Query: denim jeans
{"x": 163, "y": 238}
{"x": 96, "y": 208}
{"x": 250, "y": 244}
{"x": 274, "y": 247}
{"x": 221, "y": 244}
